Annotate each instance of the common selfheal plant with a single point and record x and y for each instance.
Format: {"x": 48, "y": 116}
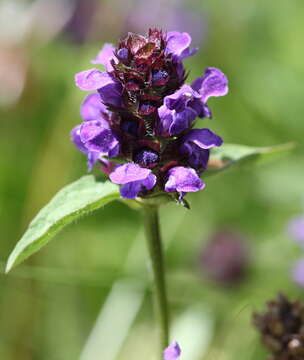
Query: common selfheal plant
{"x": 142, "y": 115}
{"x": 138, "y": 127}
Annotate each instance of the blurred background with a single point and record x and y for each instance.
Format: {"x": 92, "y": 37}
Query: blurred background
{"x": 87, "y": 294}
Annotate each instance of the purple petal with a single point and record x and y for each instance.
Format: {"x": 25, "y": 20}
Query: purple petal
{"x": 178, "y": 44}
{"x": 92, "y": 79}
{"x": 203, "y": 138}
{"x": 97, "y": 136}
{"x": 181, "y": 98}
{"x": 182, "y": 121}
{"x": 296, "y": 229}
{"x": 111, "y": 91}
{"x": 131, "y": 190}
{"x": 75, "y": 137}
{"x": 183, "y": 179}
{"x": 92, "y": 155}
{"x": 213, "y": 83}
{"x": 105, "y": 56}
{"x": 165, "y": 120}
{"x": 129, "y": 172}
{"x": 92, "y": 108}
{"x": 149, "y": 182}
{"x": 172, "y": 352}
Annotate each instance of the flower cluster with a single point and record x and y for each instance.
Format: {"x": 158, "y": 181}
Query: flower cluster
{"x": 138, "y": 121}
{"x": 282, "y": 328}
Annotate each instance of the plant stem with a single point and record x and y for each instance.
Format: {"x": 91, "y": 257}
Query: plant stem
{"x": 152, "y": 231}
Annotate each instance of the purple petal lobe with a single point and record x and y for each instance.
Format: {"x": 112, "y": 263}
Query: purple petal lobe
{"x": 92, "y": 156}
{"x": 172, "y": 352}
{"x": 97, "y": 136}
{"x": 110, "y": 91}
{"x": 182, "y": 121}
{"x": 213, "y": 83}
{"x": 92, "y": 108}
{"x": 183, "y": 179}
{"x": 75, "y": 137}
{"x": 129, "y": 172}
{"x": 203, "y": 138}
{"x": 133, "y": 179}
{"x": 105, "y": 56}
{"x": 196, "y": 144}
{"x": 90, "y": 80}
{"x": 181, "y": 98}
{"x": 178, "y": 44}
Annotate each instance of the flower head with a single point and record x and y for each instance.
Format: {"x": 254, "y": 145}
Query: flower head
{"x": 172, "y": 352}
{"x": 141, "y": 113}
{"x": 281, "y": 328}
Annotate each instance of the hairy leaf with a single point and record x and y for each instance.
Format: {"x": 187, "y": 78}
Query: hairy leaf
{"x": 227, "y": 155}
{"x": 70, "y": 203}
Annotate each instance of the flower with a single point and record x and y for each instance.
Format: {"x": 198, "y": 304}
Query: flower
{"x": 178, "y": 44}
{"x": 295, "y": 229}
{"x": 225, "y": 258}
{"x": 141, "y": 114}
{"x": 172, "y": 352}
{"x": 105, "y": 56}
{"x": 281, "y": 328}
{"x": 298, "y": 272}
{"x": 195, "y": 146}
{"x": 133, "y": 178}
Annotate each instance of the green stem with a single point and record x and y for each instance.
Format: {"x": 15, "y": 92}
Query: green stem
{"x": 152, "y": 231}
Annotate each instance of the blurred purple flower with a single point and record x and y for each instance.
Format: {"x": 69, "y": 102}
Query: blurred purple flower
{"x": 298, "y": 272}
{"x": 224, "y": 259}
{"x": 295, "y": 229}
{"x": 168, "y": 15}
{"x": 172, "y": 352}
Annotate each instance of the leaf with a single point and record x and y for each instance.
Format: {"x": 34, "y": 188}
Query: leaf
{"x": 227, "y": 155}
{"x": 70, "y": 203}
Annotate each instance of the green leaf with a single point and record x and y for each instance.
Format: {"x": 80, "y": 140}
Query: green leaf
{"x": 228, "y": 155}
{"x": 70, "y": 203}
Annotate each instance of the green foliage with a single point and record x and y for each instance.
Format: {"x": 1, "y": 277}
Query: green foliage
{"x": 233, "y": 154}
{"x": 70, "y": 203}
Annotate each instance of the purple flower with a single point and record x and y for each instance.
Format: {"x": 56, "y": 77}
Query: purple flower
{"x": 196, "y": 144}
{"x": 172, "y": 122}
{"x": 296, "y": 229}
{"x": 97, "y": 136}
{"x": 172, "y": 352}
{"x": 133, "y": 179}
{"x": 139, "y": 99}
{"x": 298, "y": 272}
{"x": 178, "y": 45}
{"x": 183, "y": 180}
{"x": 90, "y": 80}
{"x": 109, "y": 89}
{"x": 179, "y": 110}
{"x": 105, "y": 56}
{"x": 92, "y": 156}
{"x": 213, "y": 83}
{"x": 92, "y": 108}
